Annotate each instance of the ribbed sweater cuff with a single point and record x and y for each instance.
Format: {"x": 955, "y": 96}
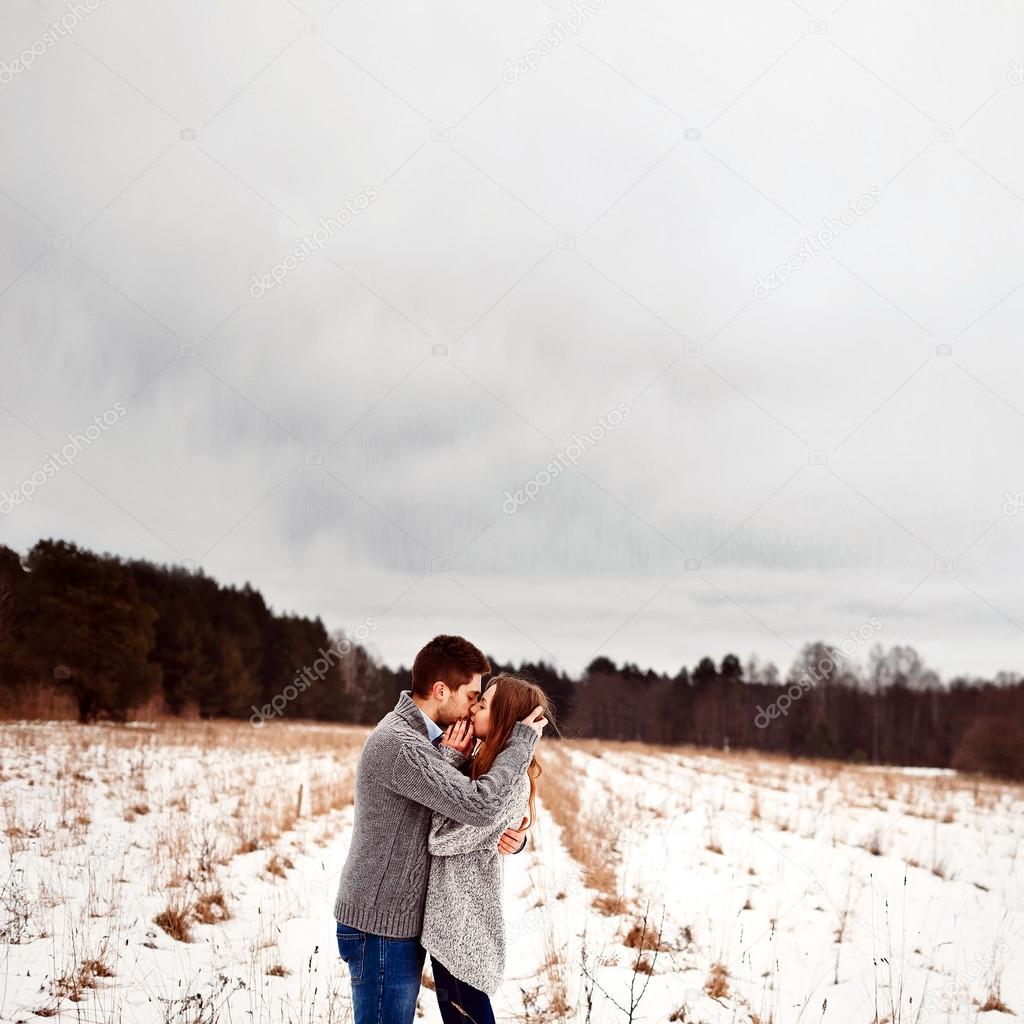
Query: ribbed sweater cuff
{"x": 527, "y": 734}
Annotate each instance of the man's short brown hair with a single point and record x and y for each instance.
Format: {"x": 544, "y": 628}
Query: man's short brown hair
{"x": 451, "y": 659}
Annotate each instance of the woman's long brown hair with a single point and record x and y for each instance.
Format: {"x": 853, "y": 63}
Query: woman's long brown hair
{"x": 514, "y": 699}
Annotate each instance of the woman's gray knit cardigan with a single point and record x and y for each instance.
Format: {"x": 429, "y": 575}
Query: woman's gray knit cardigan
{"x": 463, "y": 924}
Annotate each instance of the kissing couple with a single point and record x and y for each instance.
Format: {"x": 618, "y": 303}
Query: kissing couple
{"x": 445, "y": 786}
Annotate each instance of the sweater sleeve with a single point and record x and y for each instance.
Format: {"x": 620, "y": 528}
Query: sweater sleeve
{"x": 449, "y": 838}
{"x": 451, "y": 756}
{"x": 419, "y": 774}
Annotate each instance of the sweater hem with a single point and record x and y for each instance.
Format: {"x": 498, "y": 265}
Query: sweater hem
{"x": 486, "y": 985}
{"x": 378, "y": 922}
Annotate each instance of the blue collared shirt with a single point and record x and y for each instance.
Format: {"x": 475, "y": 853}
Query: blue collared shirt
{"x": 433, "y": 729}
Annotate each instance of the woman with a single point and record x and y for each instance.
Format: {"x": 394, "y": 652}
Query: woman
{"x": 463, "y": 926}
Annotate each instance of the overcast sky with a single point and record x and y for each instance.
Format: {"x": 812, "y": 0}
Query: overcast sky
{"x": 547, "y": 217}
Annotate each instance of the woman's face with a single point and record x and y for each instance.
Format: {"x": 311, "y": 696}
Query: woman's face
{"x": 480, "y": 712}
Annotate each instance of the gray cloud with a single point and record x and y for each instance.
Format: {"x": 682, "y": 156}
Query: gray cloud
{"x": 538, "y": 251}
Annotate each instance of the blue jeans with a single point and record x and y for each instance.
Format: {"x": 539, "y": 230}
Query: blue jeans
{"x": 385, "y": 975}
{"x": 458, "y": 1002}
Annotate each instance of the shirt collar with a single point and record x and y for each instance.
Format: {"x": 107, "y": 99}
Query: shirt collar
{"x": 408, "y": 709}
{"x": 433, "y": 729}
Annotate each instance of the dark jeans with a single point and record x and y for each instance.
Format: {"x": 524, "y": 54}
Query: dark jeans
{"x": 458, "y": 1002}
{"x": 385, "y": 975}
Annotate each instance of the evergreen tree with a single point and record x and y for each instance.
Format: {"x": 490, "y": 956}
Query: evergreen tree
{"x": 89, "y": 630}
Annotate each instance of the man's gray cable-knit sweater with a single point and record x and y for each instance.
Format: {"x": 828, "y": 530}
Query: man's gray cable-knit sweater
{"x": 400, "y": 779}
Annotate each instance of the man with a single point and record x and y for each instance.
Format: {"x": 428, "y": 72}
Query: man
{"x": 401, "y": 778}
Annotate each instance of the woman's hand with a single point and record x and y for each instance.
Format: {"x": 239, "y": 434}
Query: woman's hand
{"x": 536, "y": 720}
{"x": 459, "y": 736}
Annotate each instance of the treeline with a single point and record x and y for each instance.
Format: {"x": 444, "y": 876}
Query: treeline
{"x": 115, "y": 635}
{"x": 896, "y": 711}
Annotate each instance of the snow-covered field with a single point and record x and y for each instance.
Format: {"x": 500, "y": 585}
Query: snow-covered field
{"x": 772, "y": 890}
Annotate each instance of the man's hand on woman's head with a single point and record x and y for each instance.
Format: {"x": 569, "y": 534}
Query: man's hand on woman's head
{"x": 459, "y": 736}
{"x": 536, "y": 720}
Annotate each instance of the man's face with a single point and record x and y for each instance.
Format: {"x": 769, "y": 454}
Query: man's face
{"x": 459, "y": 702}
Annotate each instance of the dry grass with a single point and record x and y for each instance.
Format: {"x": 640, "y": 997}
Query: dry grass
{"x": 193, "y": 794}
{"x": 874, "y": 843}
{"x": 811, "y": 800}
{"x": 136, "y": 810}
{"x": 547, "y": 998}
{"x": 203, "y": 808}
{"x": 131, "y": 769}
{"x": 778, "y": 771}
{"x": 175, "y": 919}
{"x": 210, "y": 908}
{"x": 40, "y": 703}
{"x": 995, "y": 1003}
{"x": 16, "y": 910}
{"x": 994, "y": 998}
{"x": 645, "y": 938}
{"x": 598, "y": 860}
{"x": 278, "y": 865}
{"x": 643, "y": 965}
{"x": 717, "y": 984}
{"x": 74, "y": 984}
{"x": 755, "y": 806}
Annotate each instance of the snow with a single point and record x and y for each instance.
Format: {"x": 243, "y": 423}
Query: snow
{"x": 752, "y": 863}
